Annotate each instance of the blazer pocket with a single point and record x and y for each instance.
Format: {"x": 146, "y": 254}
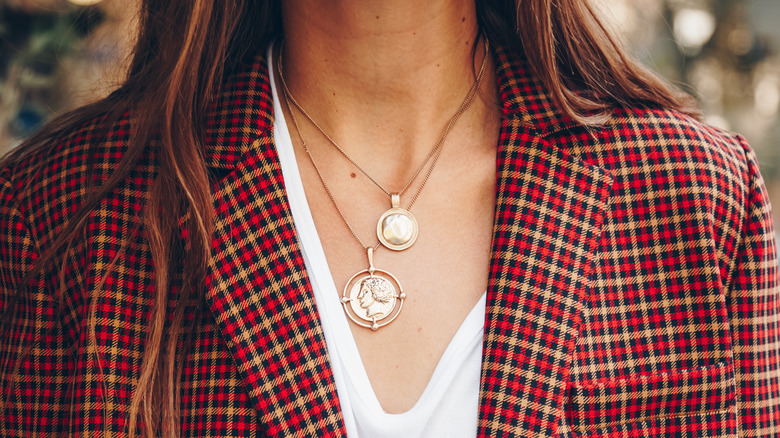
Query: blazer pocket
{"x": 595, "y": 405}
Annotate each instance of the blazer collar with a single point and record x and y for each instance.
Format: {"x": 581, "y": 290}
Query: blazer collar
{"x": 242, "y": 113}
{"x": 523, "y": 96}
{"x": 550, "y": 207}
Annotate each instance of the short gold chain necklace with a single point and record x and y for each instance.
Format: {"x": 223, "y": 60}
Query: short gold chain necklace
{"x": 373, "y": 297}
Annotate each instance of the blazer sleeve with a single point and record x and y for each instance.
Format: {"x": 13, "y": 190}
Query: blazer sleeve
{"x": 754, "y": 312}
{"x": 33, "y": 366}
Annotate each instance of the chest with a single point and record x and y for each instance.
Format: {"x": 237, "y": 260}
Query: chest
{"x": 443, "y": 274}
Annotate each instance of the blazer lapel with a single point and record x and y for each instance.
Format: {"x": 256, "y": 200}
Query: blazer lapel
{"x": 550, "y": 208}
{"x": 258, "y": 289}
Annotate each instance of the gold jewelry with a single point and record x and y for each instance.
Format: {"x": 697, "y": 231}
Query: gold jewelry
{"x": 397, "y": 227}
{"x": 373, "y": 297}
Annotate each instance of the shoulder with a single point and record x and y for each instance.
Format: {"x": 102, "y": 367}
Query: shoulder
{"x": 671, "y": 133}
{"x": 46, "y": 183}
{"x": 674, "y": 177}
{"x": 50, "y": 182}
{"x": 636, "y": 144}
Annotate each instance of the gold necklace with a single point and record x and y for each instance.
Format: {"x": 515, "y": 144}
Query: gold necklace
{"x": 373, "y": 298}
{"x": 397, "y": 228}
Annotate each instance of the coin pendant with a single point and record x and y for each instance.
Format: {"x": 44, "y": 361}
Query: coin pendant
{"x": 373, "y": 300}
{"x": 397, "y": 229}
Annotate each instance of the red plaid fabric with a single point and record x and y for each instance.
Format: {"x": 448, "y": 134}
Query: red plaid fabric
{"x": 633, "y": 287}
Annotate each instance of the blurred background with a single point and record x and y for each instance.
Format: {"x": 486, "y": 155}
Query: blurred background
{"x": 724, "y": 52}
{"x": 58, "y": 54}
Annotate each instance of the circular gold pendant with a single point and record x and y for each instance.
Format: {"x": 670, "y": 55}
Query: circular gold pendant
{"x": 397, "y": 228}
{"x": 373, "y": 298}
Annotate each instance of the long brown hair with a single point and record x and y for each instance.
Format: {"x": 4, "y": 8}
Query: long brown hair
{"x": 185, "y": 49}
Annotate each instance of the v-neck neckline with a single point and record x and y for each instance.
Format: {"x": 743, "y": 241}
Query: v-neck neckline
{"x": 326, "y": 294}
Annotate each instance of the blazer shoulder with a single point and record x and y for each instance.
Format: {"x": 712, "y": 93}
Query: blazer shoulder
{"x": 669, "y": 165}
{"x": 655, "y": 143}
{"x": 69, "y": 148}
{"x": 672, "y": 132}
{"x": 49, "y": 182}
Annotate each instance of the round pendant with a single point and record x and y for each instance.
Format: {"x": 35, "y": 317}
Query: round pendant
{"x": 397, "y": 229}
{"x": 373, "y": 299}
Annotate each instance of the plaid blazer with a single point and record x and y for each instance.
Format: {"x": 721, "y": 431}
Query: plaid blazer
{"x": 633, "y": 285}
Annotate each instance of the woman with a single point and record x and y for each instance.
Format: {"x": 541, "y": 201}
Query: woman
{"x": 571, "y": 252}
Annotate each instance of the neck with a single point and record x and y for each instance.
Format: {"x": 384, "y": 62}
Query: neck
{"x": 381, "y": 69}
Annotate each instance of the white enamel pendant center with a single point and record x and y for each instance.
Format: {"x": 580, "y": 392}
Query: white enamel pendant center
{"x": 397, "y": 228}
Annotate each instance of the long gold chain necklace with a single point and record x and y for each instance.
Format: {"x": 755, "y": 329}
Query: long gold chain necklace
{"x": 373, "y": 298}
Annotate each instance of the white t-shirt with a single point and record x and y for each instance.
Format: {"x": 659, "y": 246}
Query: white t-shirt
{"x": 449, "y": 405}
